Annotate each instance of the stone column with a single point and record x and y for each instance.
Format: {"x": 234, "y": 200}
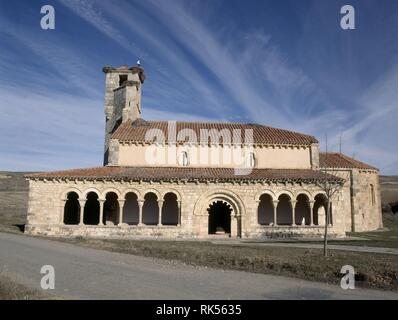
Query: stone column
{"x": 82, "y": 204}
{"x": 311, "y": 204}
{"x": 275, "y": 215}
{"x": 234, "y": 226}
{"x": 293, "y": 204}
{"x": 160, "y": 205}
{"x": 179, "y": 213}
{"x": 62, "y": 211}
{"x": 101, "y": 213}
{"x": 140, "y": 205}
{"x": 121, "y": 209}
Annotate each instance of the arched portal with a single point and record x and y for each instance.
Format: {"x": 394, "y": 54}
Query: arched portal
{"x": 72, "y": 209}
{"x": 284, "y": 210}
{"x": 91, "y": 209}
{"x": 170, "y": 210}
{"x": 111, "y": 209}
{"x": 131, "y": 210}
{"x": 265, "y": 210}
{"x": 150, "y": 210}
{"x": 303, "y": 210}
{"x": 219, "y": 218}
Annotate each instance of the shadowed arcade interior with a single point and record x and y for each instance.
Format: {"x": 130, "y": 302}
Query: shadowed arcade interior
{"x": 219, "y": 218}
{"x": 72, "y": 209}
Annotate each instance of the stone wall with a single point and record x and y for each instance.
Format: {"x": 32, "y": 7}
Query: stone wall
{"x": 47, "y": 198}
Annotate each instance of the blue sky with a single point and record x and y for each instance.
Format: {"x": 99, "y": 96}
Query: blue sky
{"x": 283, "y": 63}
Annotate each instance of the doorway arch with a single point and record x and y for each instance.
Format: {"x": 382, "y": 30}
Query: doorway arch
{"x": 219, "y": 217}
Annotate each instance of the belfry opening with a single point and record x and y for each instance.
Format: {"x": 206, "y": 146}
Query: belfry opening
{"x": 219, "y": 218}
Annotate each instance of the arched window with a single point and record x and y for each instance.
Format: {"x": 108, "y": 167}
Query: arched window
{"x": 251, "y": 160}
{"x": 184, "y": 161}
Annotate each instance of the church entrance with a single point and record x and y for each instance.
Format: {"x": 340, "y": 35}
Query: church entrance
{"x": 219, "y": 218}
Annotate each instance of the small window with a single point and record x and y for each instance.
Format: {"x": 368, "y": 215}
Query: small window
{"x": 184, "y": 161}
{"x": 122, "y": 79}
{"x": 372, "y": 195}
{"x": 251, "y": 160}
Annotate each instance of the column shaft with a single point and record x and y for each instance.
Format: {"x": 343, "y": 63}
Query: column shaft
{"x": 121, "y": 209}
{"x": 160, "y": 205}
{"x": 140, "y": 205}
{"x": 82, "y": 204}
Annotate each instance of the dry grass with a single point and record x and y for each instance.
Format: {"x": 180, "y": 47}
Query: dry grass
{"x": 12, "y": 290}
{"x": 373, "y": 270}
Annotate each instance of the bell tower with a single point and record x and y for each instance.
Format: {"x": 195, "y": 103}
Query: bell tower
{"x": 122, "y": 99}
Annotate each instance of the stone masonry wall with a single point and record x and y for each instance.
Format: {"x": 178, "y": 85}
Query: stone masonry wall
{"x": 45, "y": 213}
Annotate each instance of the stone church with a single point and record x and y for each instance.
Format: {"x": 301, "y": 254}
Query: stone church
{"x": 171, "y": 179}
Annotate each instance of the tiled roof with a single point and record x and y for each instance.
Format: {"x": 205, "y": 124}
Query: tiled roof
{"x": 136, "y": 131}
{"x": 339, "y": 160}
{"x": 186, "y": 174}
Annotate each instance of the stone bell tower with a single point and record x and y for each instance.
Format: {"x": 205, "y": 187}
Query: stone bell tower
{"x": 122, "y": 99}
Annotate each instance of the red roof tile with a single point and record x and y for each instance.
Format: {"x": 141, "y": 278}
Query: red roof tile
{"x": 186, "y": 174}
{"x": 136, "y": 131}
{"x": 339, "y": 160}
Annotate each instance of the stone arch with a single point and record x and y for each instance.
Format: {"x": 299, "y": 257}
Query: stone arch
{"x": 114, "y": 190}
{"x": 266, "y": 191}
{"x": 64, "y": 194}
{"x": 171, "y": 190}
{"x": 284, "y": 210}
{"x": 130, "y": 190}
{"x": 287, "y": 192}
{"x": 111, "y": 208}
{"x": 89, "y": 190}
{"x": 150, "y": 209}
{"x": 302, "y": 210}
{"x": 223, "y": 195}
{"x": 71, "y": 209}
{"x": 170, "y": 209}
{"x": 158, "y": 194}
{"x": 131, "y": 210}
{"x": 91, "y": 209}
{"x": 265, "y": 210}
{"x": 303, "y": 191}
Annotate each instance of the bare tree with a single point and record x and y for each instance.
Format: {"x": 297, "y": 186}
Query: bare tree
{"x": 330, "y": 186}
